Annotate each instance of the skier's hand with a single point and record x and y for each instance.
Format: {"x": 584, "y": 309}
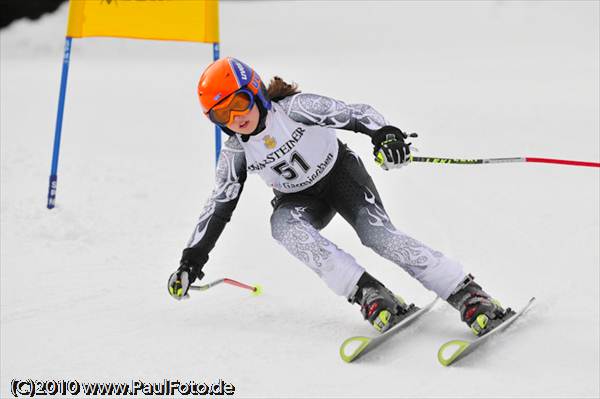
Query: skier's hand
{"x": 180, "y": 281}
{"x": 390, "y": 148}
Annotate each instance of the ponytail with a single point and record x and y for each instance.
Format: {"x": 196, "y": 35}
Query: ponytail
{"x": 279, "y": 89}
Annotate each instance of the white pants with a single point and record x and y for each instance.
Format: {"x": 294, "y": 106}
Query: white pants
{"x": 349, "y": 191}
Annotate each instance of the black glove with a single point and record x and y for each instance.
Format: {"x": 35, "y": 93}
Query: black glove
{"x": 180, "y": 281}
{"x": 390, "y": 149}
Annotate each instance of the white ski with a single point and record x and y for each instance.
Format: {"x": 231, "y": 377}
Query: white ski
{"x": 456, "y": 349}
{"x": 354, "y": 347}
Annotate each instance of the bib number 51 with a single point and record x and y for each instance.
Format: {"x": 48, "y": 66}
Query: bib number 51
{"x": 287, "y": 171}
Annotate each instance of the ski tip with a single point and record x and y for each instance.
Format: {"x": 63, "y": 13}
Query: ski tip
{"x": 450, "y": 351}
{"x": 352, "y": 347}
{"x": 258, "y": 290}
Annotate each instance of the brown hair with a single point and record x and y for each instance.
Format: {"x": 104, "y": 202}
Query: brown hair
{"x": 279, "y": 89}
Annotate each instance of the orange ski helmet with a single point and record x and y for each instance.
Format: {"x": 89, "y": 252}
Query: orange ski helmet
{"x": 226, "y": 76}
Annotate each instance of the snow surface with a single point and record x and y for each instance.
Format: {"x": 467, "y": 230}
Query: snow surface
{"x": 84, "y": 285}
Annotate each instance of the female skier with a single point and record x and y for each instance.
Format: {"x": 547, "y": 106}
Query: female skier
{"x": 288, "y": 138}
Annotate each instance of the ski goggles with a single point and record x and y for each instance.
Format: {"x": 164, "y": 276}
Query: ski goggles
{"x": 238, "y": 103}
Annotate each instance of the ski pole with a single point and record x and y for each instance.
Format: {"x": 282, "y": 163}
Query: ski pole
{"x": 459, "y": 161}
{"x": 256, "y": 289}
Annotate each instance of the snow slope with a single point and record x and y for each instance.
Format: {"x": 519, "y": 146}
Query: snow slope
{"x": 83, "y": 287}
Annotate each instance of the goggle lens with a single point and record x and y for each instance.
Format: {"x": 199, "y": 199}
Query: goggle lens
{"x": 239, "y": 103}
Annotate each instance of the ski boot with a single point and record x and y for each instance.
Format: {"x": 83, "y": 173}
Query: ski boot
{"x": 379, "y": 305}
{"x": 481, "y": 312}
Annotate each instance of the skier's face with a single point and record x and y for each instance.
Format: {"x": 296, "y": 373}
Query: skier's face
{"x": 247, "y": 123}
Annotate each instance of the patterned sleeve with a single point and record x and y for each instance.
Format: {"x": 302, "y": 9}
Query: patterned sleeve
{"x": 313, "y": 109}
{"x": 230, "y": 178}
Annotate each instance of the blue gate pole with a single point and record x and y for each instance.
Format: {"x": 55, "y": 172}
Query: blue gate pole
{"x": 58, "y": 129}
{"x": 217, "y": 128}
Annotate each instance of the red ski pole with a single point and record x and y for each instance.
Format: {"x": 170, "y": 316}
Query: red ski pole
{"x": 256, "y": 289}
{"x": 459, "y": 161}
